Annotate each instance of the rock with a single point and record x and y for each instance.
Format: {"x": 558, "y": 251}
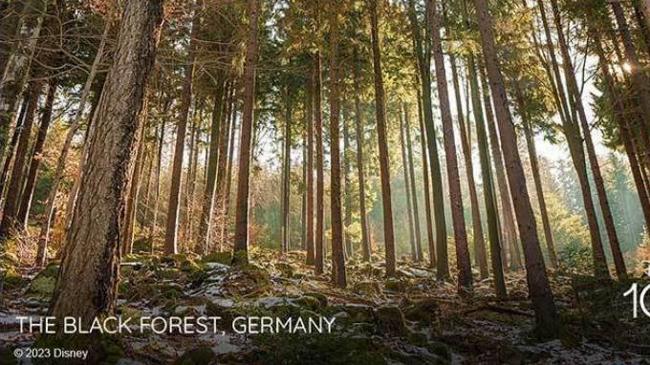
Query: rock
{"x": 390, "y": 320}
{"x": 198, "y": 356}
{"x": 357, "y": 312}
{"x": 308, "y": 302}
{"x": 424, "y": 310}
{"x": 285, "y": 269}
{"x": 366, "y": 287}
{"x": 393, "y": 284}
{"x": 43, "y": 283}
{"x": 320, "y": 296}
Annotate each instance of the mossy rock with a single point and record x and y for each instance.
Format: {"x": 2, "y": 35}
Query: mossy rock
{"x": 127, "y": 312}
{"x": 390, "y": 320}
{"x": 224, "y": 258}
{"x": 13, "y": 279}
{"x": 286, "y": 269}
{"x": 322, "y": 298}
{"x": 308, "y": 302}
{"x": 357, "y": 312}
{"x": 439, "y": 349}
{"x": 366, "y": 287}
{"x": 42, "y": 286}
{"x": 142, "y": 245}
{"x": 424, "y": 310}
{"x": 198, "y": 356}
{"x": 169, "y": 273}
{"x": 394, "y": 284}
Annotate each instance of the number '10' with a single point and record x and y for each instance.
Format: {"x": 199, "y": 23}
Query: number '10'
{"x": 638, "y": 299}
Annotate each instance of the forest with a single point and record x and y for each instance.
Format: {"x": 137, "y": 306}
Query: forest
{"x": 337, "y": 182}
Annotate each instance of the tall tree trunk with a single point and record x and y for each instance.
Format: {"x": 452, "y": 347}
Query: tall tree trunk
{"x": 30, "y": 182}
{"x": 43, "y": 237}
{"x": 17, "y": 71}
{"x": 9, "y": 221}
{"x": 303, "y": 199}
{"x": 574, "y": 138}
{"x": 286, "y": 176}
{"x": 347, "y": 195}
{"x": 205, "y": 224}
{"x": 465, "y": 138}
{"x": 384, "y": 165}
{"x": 229, "y": 169}
{"x": 128, "y": 224}
{"x": 156, "y": 201}
{"x": 425, "y": 181}
{"x": 489, "y": 191}
{"x": 12, "y": 147}
{"x": 87, "y": 282}
{"x": 222, "y": 167}
{"x": 320, "y": 178}
{"x": 538, "y": 284}
{"x": 460, "y": 235}
{"x": 509, "y": 229}
{"x": 424, "y": 61}
{"x": 173, "y": 210}
{"x": 360, "y": 140}
{"x": 245, "y": 145}
{"x": 309, "y": 184}
{"x": 416, "y": 212}
{"x": 534, "y": 166}
{"x": 11, "y": 19}
{"x": 407, "y": 190}
{"x": 338, "y": 256}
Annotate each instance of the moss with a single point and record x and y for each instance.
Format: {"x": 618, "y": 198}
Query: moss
{"x": 322, "y": 298}
{"x": 308, "y": 302}
{"x": 240, "y": 258}
{"x": 198, "y": 356}
{"x": 390, "y": 320}
{"x": 294, "y": 349}
{"x": 42, "y": 286}
{"x": 424, "y": 310}
{"x": 224, "y": 258}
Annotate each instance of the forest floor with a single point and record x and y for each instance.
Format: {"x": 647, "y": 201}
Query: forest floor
{"x": 412, "y": 319}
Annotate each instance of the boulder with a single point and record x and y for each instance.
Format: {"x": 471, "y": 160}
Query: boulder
{"x": 390, "y": 321}
{"x": 198, "y": 356}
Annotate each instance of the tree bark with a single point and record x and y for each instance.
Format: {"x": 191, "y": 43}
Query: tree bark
{"x": 424, "y": 61}
{"x": 320, "y": 179}
{"x": 309, "y": 184}
{"x": 43, "y": 238}
{"x": 286, "y": 176}
{"x": 407, "y": 189}
{"x": 205, "y": 224}
{"x": 509, "y": 230}
{"x": 87, "y": 282}
{"x": 534, "y": 166}
{"x": 347, "y": 195}
{"x": 245, "y": 145}
{"x": 384, "y": 165}
{"x": 538, "y": 284}
{"x": 456, "y": 200}
{"x": 425, "y": 182}
{"x": 489, "y": 191}
{"x": 173, "y": 210}
{"x": 465, "y": 138}
{"x": 30, "y": 182}
{"x": 365, "y": 240}
{"x": 9, "y": 221}
{"x": 338, "y": 256}
{"x": 416, "y": 212}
